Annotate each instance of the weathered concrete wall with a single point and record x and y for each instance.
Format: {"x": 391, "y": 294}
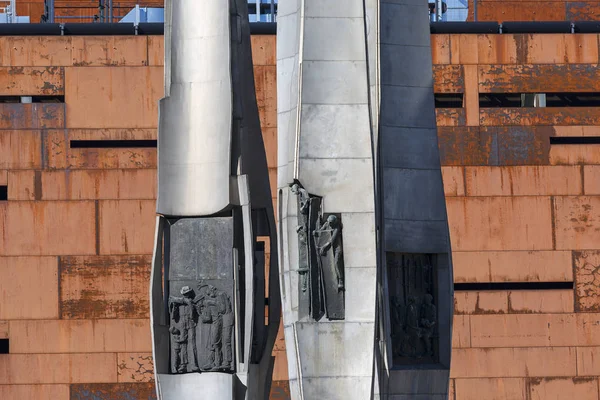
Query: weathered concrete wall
{"x": 520, "y": 211}
{"x": 76, "y": 233}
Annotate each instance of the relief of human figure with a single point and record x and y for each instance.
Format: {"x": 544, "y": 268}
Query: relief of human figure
{"x": 216, "y": 322}
{"x": 223, "y": 328}
{"x": 428, "y": 321}
{"x": 334, "y": 244}
{"x": 413, "y": 331}
{"x": 183, "y": 331}
{"x": 302, "y": 230}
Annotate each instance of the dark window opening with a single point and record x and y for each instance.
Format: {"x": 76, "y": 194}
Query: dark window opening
{"x": 490, "y": 100}
{"x": 4, "y": 346}
{"x": 3, "y": 192}
{"x": 575, "y": 140}
{"x": 112, "y": 144}
{"x": 572, "y": 99}
{"x": 471, "y": 287}
{"x": 504, "y": 100}
{"x": 448, "y": 100}
{"x": 32, "y": 99}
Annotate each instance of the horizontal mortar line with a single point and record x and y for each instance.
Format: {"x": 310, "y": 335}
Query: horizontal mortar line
{"x": 359, "y": 60}
{"x": 409, "y": 168}
{"x": 79, "y": 319}
{"x": 335, "y": 158}
{"x": 360, "y": 17}
{"x": 505, "y": 286}
{"x": 383, "y": 125}
{"x": 383, "y": 85}
{"x": 412, "y": 220}
{"x": 334, "y": 104}
{"x": 425, "y": 46}
{"x": 483, "y": 196}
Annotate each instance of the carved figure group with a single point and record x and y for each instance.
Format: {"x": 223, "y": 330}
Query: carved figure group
{"x": 201, "y": 330}
{"x": 414, "y": 327}
{"x": 321, "y": 260}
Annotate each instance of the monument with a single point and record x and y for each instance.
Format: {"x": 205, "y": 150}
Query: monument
{"x": 211, "y": 335}
{"x": 365, "y": 257}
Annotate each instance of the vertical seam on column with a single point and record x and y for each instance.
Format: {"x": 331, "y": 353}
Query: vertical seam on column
{"x": 298, "y": 364}
{"x": 299, "y": 99}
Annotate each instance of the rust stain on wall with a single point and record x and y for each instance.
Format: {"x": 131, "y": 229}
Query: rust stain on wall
{"x": 104, "y": 287}
{"x": 539, "y": 78}
{"x": 113, "y": 391}
{"x": 448, "y": 79}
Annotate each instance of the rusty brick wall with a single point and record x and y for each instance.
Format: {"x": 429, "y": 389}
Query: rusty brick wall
{"x": 535, "y": 10}
{"x": 521, "y": 210}
{"x": 76, "y": 233}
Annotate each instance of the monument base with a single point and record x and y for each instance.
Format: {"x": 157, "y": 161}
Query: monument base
{"x": 204, "y": 386}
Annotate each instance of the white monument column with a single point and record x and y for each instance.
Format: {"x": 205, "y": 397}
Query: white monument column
{"x": 326, "y": 170}
{"x": 365, "y": 261}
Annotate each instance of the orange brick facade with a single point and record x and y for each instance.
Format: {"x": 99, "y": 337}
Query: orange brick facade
{"x": 76, "y": 233}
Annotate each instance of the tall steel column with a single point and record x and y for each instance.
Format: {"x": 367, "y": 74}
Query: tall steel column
{"x": 365, "y": 257}
{"x": 215, "y": 214}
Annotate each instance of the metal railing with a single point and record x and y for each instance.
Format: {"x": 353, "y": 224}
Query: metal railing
{"x": 258, "y": 11}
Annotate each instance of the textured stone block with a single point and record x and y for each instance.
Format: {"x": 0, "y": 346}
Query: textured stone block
{"x": 96, "y": 51}
{"x": 496, "y": 49}
{"x": 491, "y": 388}
{"x": 569, "y": 155}
{"x": 497, "y": 223}
{"x": 344, "y": 341}
{"x": 107, "y": 91}
{"x": 523, "y": 181}
{"x": 20, "y": 149}
{"x": 448, "y": 78}
{"x": 47, "y": 228}
{"x": 35, "y": 51}
{"x": 588, "y": 361}
{"x": 113, "y": 391}
{"x": 519, "y": 330}
{"x": 546, "y": 301}
{"x": 440, "y": 49}
{"x": 22, "y": 185}
{"x": 90, "y": 336}
{"x": 104, "y": 287}
{"x": 156, "y": 50}
{"x": 591, "y": 179}
{"x": 4, "y": 334}
{"x": 513, "y": 362}
{"x": 461, "y": 331}
{"x": 28, "y": 288}
{"x": 512, "y": 266}
{"x": 32, "y": 81}
{"x": 32, "y": 115}
{"x": 488, "y": 302}
{"x": 280, "y": 369}
{"x": 23, "y": 369}
{"x": 135, "y": 367}
{"x": 265, "y": 83}
{"x": 587, "y": 280}
{"x": 454, "y": 182}
{"x": 34, "y": 392}
{"x": 280, "y": 390}
{"x": 126, "y": 226}
{"x": 584, "y": 388}
{"x": 548, "y": 116}
{"x": 263, "y": 49}
{"x": 99, "y": 184}
{"x": 574, "y": 220}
